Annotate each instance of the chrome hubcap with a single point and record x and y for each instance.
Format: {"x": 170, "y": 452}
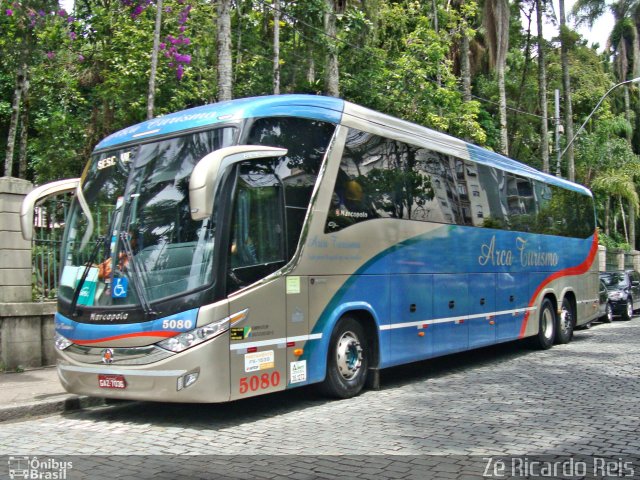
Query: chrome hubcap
{"x": 609, "y": 313}
{"x": 349, "y": 355}
{"x": 547, "y": 324}
{"x": 629, "y": 309}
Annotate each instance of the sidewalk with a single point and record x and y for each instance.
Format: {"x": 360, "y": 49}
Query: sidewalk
{"x": 37, "y": 392}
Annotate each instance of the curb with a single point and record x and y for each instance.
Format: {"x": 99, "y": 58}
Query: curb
{"x": 67, "y": 403}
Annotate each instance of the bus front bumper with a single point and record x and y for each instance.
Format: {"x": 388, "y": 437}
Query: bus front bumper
{"x": 199, "y": 375}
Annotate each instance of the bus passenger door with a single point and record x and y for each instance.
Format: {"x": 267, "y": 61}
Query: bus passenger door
{"x": 512, "y": 297}
{"x": 450, "y": 328}
{"x": 482, "y": 303}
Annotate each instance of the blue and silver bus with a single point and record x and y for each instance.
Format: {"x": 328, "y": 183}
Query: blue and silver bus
{"x": 267, "y": 243}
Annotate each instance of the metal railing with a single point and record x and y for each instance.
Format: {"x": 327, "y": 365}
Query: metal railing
{"x": 49, "y": 220}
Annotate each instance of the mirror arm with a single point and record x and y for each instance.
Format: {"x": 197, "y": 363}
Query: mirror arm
{"x": 37, "y": 195}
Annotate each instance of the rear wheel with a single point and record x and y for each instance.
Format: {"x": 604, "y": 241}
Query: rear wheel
{"x": 566, "y": 322}
{"x": 627, "y": 314}
{"x": 348, "y": 360}
{"x": 546, "y": 326}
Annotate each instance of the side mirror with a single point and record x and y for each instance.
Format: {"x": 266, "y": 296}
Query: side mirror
{"x": 39, "y": 194}
{"x": 205, "y": 176}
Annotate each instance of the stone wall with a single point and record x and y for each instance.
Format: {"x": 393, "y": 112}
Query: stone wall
{"x": 26, "y": 328}
{"x": 26, "y": 335}
{"x": 15, "y": 252}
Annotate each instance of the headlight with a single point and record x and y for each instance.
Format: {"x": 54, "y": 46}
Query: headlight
{"x": 194, "y": 337}
{"x": 62, "y": 342}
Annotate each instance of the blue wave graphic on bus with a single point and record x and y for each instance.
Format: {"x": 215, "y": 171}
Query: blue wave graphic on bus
{"x": 423, "y": 267}
{"x": 87, "y": 333}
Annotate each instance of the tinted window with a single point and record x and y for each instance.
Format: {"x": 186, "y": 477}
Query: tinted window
{"x": 306, "y": 142}
{"x": 384, "y": 178}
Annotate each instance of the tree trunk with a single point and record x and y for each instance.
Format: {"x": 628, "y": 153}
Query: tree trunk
{"x": 333, "y": 72}
{"x": 542, "y": 92}
{"x": 151, "y": 97}
{"x": 15, "y": 117}
{"x": 504, "y": 139}
{"x": 465, "y": 68}
{"x": 24, "y": 131}
{"x": 311, "y": 66}
{"x": 566, "y": 85}
{"x": 225, "y": 81}
{"x": 238, "y": 40}
{"x": 624, "y": 221}
{"x": 607, "y": 215}
{"x": 276, "y": 47}
{"x": 632, "y": 225}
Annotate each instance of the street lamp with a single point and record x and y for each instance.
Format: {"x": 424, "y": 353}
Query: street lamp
{"x": 633, "y": 80}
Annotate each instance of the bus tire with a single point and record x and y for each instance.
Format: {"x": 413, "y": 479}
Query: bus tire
{"x": 347, "y": 360}
{"x": 566, "y": 322}
{"x": 546, "y": 326}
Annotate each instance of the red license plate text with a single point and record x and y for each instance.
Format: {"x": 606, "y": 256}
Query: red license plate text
{"x": 112, "y": 381}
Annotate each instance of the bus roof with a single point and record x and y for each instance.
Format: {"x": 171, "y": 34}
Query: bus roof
{"x": 328, "y": 109}
{"x": 323, "y": 108}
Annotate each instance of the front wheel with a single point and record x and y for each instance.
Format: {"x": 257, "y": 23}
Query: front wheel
{"x": 608, "y": 315}
{"x": 628, "y": 310}
{"x": 546, "y": 326}
{"x": 348, "y": 360}
{"x": 566, "y": 322}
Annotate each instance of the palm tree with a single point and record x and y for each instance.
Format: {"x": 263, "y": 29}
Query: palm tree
{"x": 624, "y": 42}
{"x": 225, "y": 67}
{"x": 566, "y": 86}
{"x": 332, "y": 79}
{"x": 151, "y": 96}
{"x": 542, "y": 90}
{"x": 495, "y": 20}
{"x": 619, "y": 183}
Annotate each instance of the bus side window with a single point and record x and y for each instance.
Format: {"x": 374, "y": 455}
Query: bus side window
{"x": 257, "y": 242}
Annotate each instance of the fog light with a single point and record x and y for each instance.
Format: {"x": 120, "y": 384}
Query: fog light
{"x": 187, "y": 380}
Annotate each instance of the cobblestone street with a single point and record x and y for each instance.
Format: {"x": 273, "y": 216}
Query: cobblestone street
{"x": 575, "y": 399}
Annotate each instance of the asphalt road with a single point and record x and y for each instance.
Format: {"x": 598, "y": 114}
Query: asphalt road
{"x": 453, "y": 417}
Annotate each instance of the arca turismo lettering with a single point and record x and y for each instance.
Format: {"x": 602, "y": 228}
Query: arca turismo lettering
{"x": 490, "y": 255}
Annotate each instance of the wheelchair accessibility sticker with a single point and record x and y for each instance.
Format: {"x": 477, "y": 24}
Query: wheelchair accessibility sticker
{"x": 120, "y": 288}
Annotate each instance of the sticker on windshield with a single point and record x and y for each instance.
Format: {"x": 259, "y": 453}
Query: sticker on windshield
{"x": 87, "y": 293}
{"x": 120, "y": 288}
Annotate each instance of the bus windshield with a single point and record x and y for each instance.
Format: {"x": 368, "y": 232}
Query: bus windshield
{"x": 142, "y": 243}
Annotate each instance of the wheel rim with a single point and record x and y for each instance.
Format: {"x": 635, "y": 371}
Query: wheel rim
{"x": 629, "y": 309}
{"x": 349, "y": 355}
{"x": 609, "y": 313}
{"x": 565, "y": 320}
{"x": 547, "y": 323}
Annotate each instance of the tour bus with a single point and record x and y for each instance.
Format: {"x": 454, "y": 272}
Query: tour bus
{"x": 266, "y": 243}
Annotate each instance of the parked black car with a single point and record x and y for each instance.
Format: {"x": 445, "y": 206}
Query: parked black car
{"x": 624, "y": 292}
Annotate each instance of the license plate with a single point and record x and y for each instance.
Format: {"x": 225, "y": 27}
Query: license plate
{"x": 112, "y": 381}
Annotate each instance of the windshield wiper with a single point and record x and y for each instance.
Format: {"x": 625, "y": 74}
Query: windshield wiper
{"x": 85, "y": 273}
{"x": 137, "y": 280}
